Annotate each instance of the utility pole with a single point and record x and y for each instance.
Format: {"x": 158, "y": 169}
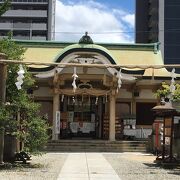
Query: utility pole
{"x": 3, "y": 77}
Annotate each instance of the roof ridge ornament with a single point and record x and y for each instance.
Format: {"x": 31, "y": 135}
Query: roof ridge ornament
{"x": 86, "y": 39}
{"x": 156, "y": 47}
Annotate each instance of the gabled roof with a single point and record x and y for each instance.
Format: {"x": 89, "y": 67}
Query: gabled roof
{"x": 120, "y": 54}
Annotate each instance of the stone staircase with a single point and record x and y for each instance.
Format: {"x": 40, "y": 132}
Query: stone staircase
{"x": 95, "y": 146}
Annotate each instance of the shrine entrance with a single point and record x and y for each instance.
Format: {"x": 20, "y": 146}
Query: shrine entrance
{"x": 81, "y": 117}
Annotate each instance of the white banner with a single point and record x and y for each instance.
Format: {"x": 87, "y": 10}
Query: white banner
{"x": 57, "y": 131}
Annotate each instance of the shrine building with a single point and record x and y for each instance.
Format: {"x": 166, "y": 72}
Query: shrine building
{"x": 85, "y": 97}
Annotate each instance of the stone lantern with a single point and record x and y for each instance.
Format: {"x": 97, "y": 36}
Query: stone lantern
{"x": 166, "y": 112}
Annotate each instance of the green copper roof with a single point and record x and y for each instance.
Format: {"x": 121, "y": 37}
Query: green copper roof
{"x": 53, "y": 44}
{"x": 87, "y": 47}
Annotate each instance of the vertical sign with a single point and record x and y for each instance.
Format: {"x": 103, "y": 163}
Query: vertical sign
{"x": 57, "y": 131}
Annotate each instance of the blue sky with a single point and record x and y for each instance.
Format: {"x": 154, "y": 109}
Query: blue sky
{"x": 110, "y": 21}
{"x": 128, "y": 5}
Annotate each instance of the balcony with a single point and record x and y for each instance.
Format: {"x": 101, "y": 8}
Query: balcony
{"x": 21, "y": 37}
{"x": 43, "y": 38}
{"x": 39, "y": 26}
{"x": 25, "y": 13}
{"x": 21, "y": 26}
{"x": 4, "y": 26}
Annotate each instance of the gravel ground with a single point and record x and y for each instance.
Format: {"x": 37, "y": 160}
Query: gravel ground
{"x": 129, "y": 166}
{"x": 137, "y": 166}
{"x": 49, "y": 166}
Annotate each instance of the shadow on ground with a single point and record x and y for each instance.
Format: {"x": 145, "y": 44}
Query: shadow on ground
{"x": 174, "y": 170}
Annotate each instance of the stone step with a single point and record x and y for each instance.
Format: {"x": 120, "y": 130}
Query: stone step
{"x": 96, "y": 146}
{"x": 95, "y": 141}
{"x": 93, "y": 144}
{"x": 93, "y": 150}
{"x": 83, "y": 146}
{"x": 70, "y": 147}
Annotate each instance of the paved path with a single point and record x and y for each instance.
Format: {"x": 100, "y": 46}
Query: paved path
{"x": 87, "y": 166}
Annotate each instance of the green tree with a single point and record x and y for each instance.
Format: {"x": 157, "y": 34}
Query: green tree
{"x": 4, "y": 7}
{"x": 165, "y": 92}
{"x": 30, "y": 128}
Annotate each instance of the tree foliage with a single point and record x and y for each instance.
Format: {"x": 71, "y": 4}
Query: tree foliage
{"x": 165, "y": 91}
{"x": 4, "y": 7}
{"x": 30, "y": 128}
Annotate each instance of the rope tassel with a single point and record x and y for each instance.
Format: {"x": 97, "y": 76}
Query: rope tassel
{"x": 119, "y": 76}
{"x": 75, "y": 76}
{"x": 173, "y": 76}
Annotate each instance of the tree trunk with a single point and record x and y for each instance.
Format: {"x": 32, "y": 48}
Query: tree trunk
{"x": 1, "y": 145}
{"x": 3, "y": 76}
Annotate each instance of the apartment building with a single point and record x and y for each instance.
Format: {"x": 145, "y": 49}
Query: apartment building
{"x": 29, "y": 20}
{"x": 159, "y": 20}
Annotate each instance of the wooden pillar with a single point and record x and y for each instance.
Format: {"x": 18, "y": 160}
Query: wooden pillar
{"x": 133, "y": 104}
{"x": 100, "y": 111}
{"x": 112, "y": 118}
{"x": 56, "y": 107}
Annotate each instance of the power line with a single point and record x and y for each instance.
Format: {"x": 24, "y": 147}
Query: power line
{"x": 103, "y": 32}
{"x": 115, "y": 32}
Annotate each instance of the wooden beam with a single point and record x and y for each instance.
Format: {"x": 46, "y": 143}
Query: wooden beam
{"x": 130, "y": 66}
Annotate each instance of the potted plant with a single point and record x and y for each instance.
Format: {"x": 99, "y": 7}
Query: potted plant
{"x": 165, "y": 92}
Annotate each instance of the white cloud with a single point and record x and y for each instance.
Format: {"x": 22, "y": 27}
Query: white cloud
{"x": 130, "y": 19}
{"x": 74, "y": 19}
